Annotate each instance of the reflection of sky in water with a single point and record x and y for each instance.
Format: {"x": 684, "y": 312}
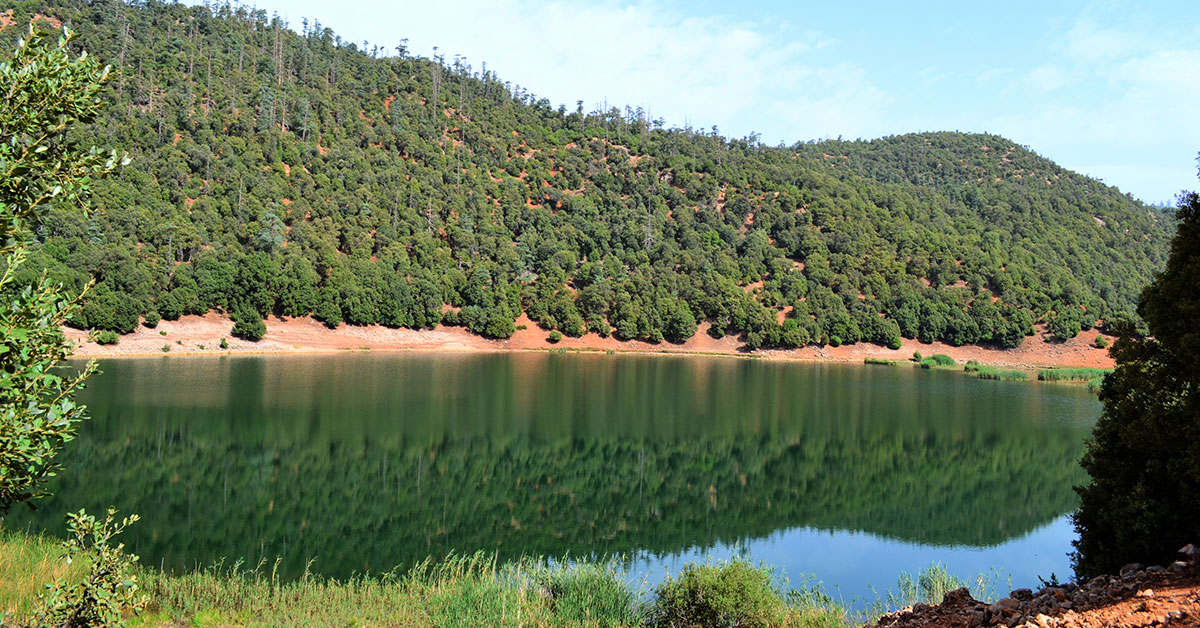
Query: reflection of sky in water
{"x": 859, "y": 567}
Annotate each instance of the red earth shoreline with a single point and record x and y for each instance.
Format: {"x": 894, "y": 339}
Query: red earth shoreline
{"x": 201, "y": 335}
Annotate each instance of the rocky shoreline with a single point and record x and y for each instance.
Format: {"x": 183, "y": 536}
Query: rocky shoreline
{"x": 1138, "y": 596}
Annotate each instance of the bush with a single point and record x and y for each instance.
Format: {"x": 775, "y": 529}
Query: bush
{"x": 248, "y": 325}
{"x": 729, "y": 594}
{"x": 916, "y": 356}
{"x": 107, "y": 338}
{"x": 224, "y": 343}
{"x": 151, "y": 319}
{"x": 1100, "y": 342}
{"x": 554, "y": 336}
{"x": 895, "y": 343}
{"x": 109, "y": 590}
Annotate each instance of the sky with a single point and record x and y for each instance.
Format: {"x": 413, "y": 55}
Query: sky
{"x": 1110, "y": 89}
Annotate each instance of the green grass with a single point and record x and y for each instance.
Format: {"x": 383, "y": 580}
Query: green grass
{"x": 1071, "y": 374}
{"x": 986, "y": 371}
{"x": 938, "y": 360}
{"x": 27, "y": 563}
{"x": 474, "y": 590}
{"x": 457, "y": 591}
{"x": 880, "y": 361}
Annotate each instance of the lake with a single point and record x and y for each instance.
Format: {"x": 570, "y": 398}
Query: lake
{"x": 365, "y": 463}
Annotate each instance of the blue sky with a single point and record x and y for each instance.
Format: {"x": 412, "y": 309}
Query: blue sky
{"x": 1111, "y": 89}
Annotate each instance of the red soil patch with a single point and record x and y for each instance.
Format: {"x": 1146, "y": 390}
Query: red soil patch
{"x": 387, "y": 102}
{"x": 53, "y": 21}
{"x": 306, "y": 335}
{"x": 6, "y": 19}
{"x": 287, "y": 170}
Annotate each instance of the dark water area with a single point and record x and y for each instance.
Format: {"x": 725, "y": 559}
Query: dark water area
{"x": 365, "y": 463}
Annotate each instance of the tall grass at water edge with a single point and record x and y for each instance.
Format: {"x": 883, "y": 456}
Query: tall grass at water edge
{"x": 937, "y": 360}
{"x": 1071, "y": 374}
{"x": 985, "y": 371}
{"x": 474, "y": 590}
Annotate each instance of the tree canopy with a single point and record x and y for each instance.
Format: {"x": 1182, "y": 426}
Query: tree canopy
{"x": 1143, "y": 501}
{"x": 294, "y": 173}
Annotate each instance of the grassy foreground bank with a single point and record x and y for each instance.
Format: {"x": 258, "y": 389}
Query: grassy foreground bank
{"x": 460, "y": 591}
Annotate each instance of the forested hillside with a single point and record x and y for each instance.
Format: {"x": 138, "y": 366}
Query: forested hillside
{"x": 286, "y": 173}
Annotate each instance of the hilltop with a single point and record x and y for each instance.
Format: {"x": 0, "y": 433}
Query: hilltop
{"x": 293, "y": 173}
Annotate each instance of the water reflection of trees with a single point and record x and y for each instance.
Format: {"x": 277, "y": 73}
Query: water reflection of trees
{"x": 367, "y": 507}
{"x": 368, "y": 468}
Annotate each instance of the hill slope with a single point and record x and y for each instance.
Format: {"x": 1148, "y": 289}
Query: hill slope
{"x": 286, "y": 173}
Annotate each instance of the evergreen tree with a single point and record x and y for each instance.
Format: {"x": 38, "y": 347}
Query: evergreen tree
{"x": 1143, "y": 501}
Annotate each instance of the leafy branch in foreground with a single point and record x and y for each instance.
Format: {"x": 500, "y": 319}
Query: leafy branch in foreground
{"x": 48, "y": 89}
{"x": 110, "y": 587}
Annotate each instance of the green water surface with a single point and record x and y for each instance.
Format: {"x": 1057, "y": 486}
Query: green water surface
{"x": 369, "y": 462}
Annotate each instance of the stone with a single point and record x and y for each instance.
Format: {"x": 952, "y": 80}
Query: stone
{"x": 1154, "y": 569}
{"x": 978, "y": 618}
{"x": 1066, "y": 605}
{"x": 1023, "y": 595}
{"x": 1190, "y": 553}
{"x": 1146, "y": 593}
{"x": 1129, "y": 570}
{"x": 960, "y": 595}
{"x": 1004, "y": 603}
{"x": 1178, "y": 567}
{"x": 1058, "y": 593}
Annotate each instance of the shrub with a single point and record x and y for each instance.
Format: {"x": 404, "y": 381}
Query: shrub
{"x": 248, "y": 325}
{"x": 554, "y": 336}
{"x": 224, "y": 343}
{"x": 916, "y": 356}
{"x": 1100, "y": 342}
{"x": 107, "y": 337}
{"x": 942, "y": 359}
{"x": 109, "y": 589}
{"x": 735, "y": 593}
{"x": 895, "y": 343}
{"x": 151, "y": 319}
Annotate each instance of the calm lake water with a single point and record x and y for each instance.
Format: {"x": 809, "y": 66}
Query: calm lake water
{"x": 366, "y": 462}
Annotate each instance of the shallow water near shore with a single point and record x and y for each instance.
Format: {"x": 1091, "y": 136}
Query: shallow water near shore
{"x": 366, "y": 463}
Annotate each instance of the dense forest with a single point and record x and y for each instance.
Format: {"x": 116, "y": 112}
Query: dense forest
{"x": 291, "y": 173}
